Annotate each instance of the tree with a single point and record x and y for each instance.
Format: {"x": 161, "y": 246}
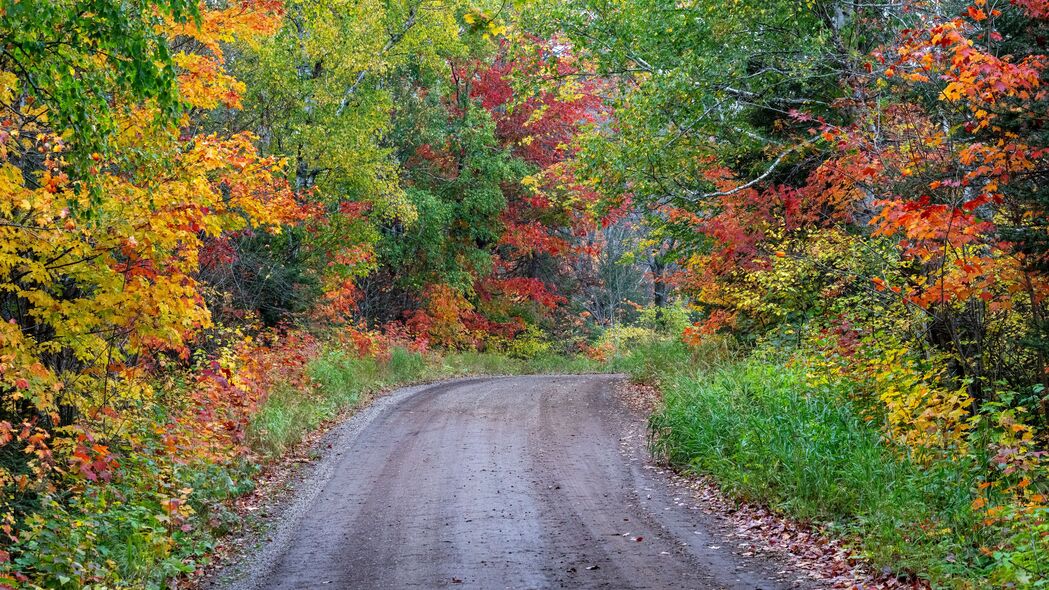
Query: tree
{"x": 99, "y": 255}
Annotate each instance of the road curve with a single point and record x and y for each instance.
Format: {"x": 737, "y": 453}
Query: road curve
{"x": 522, "y": 482}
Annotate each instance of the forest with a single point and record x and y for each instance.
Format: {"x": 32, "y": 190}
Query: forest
{"x": 818, "y": 227}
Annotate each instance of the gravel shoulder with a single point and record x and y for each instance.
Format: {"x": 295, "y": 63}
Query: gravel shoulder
{"x": 516, "y": 482}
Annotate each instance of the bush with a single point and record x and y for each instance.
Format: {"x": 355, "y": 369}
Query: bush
{"x": 405, "y": 365}
{"x": 669, "y": 320}
{"x": 529, "y": 344}
{"x": 624, "y": 338}
{"x": 151, "y": 523}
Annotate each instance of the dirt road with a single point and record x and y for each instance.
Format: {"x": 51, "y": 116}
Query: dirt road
{"x": 523, "y": 482}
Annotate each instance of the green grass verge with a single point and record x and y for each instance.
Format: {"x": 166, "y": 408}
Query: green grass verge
{"x": 762, "y": 435}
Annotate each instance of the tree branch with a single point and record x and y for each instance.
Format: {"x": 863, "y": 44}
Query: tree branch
{"x": 393, "y": 40}
{"x": 695, "y": 195}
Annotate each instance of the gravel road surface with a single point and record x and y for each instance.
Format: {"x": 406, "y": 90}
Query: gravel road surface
{"x": 517, "y": 482}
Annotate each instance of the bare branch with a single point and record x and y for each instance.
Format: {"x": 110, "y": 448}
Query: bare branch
{"x": 695, "y": 195}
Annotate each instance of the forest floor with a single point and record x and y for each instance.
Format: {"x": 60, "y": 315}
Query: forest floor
{"x": 520, "y": 482}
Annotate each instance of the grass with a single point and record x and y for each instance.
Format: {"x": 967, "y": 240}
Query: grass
{"x": 658, "y": 360}
{"x": 754, "y": 427}
{"x": 289, "y": 413}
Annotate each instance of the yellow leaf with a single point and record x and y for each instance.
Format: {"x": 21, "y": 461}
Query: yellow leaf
{"x": 952, "y": 92}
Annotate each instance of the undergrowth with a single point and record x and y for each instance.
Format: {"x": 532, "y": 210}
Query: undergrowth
{"x": 154, "y": 515}
{"x": 340, "y": 380}
{"x": 764, "y": 435}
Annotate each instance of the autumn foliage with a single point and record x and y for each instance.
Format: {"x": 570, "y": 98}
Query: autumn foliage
{"x": 199, "y": 200}
{"x": 857, "y": 192}
{"x": 175, "y": 247}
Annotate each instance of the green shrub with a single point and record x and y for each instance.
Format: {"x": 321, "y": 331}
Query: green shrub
{"x": 653, "y": 361}
{"x": 152, "y": 523}
{"x": 529, "y": 344}
{"x": 100, "y": 538}
{"x": 669, "y": 320}
{"x": 1026, "y": 563}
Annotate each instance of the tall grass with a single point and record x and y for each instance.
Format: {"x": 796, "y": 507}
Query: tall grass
{"x": 756, "y": 429}
{"x": 340, "y": 381}
{"x": 659, "y": 359}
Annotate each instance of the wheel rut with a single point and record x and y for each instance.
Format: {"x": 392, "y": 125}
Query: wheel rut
{"x": 517, "y": 482}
